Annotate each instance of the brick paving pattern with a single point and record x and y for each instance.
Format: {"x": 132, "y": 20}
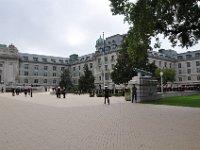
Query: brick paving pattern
{"x": 83, "y": 123}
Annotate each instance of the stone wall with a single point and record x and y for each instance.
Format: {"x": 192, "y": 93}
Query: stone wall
{"x": 146, "y": 87}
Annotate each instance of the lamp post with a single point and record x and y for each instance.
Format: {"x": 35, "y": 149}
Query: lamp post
{"x": 161, "y": 81}
{"x": 103, "y": 62}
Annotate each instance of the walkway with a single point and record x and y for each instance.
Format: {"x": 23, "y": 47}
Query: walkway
{"x": 83, "y": 123}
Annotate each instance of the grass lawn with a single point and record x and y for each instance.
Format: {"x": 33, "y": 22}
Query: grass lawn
{"x": 188, "y": 101}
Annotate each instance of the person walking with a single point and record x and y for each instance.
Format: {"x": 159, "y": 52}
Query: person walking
{"x": 13, "y": 92}
{"x": 64, "y": 92}
{"x": 106, "y": 95}
{"x": 31, "y": 92}
{"x": 134, "y": 94}
{"x": 25, "y": 92}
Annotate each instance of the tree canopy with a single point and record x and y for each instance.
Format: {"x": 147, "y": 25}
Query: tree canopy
{"x": 123, "y": 70}
{"x": 178, "y": 20}
{"x": 168, "y": 75}
{"x": 86, "y": 81}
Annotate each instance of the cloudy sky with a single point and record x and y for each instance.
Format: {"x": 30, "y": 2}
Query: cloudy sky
{"x": 60, "y": 27}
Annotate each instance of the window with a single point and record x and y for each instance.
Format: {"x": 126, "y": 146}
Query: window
{"x": 74, "y": 68}
{"x": 188, "y": 56}
{"x": 25, "y": 58}
{"x": 54, "y": 68}
{"x": 45, "y": 74}
{"x": 36, "y": 67}
{"x": 170, "y": 65}
{"x": 106, "y": 76}
{"x": 180, "y": 57}
{"x": 197, "y": 55}
{"x": 113, "y": 66}
{"x": 197, "y": 63}
{"x": 45, "y": 81}
{"x": 53, "y": 60}
{"x": 26, "y": 66}
{"x": 44, "y": 59}
{"x": 99, "y": 78}
{"x": 35, "y": 80}
{"x": 35, "y": 73}
{"x": 188, "y": 64}
{"x": 25, "y": 80}
{"x": 61, "y": 61}
{"x": 99, "y": 60}
{"x": 198, "y": 70}
{"x": 189, "y": 71}
{"x": 160, "y": 63}
{"x": 106, "y": 67}
{"x": 54, "y": 81}
{"x": 25, "y": 73}
{"x": 189, "y": 78}
{"x": 179, "y": 65}
{"x": 87, "y": 58}
{"x": 165, "y": 64}
{"x": 106, "y": 59}
{"x": 79, "y": 67}
{"x": 99, "y": 68}
{"x": 91, "y": 65}
{"x": 154, "y": 62}
{"x": 179, "y": 71}
{"x": 180, "y": 79}
{"x": 45, "y": 67}
{"x": 62, "y": 68}
{"x": 35, "y": 58}
{"x": 198, "y": 77}
{"x": 54, "y": 74}
{"x": 112, "y": 58}
{"x": 66, "y": 61}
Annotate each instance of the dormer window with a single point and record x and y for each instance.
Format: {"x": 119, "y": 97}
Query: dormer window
{"x": 61, "y": 61}
{"x": 87, "y": 58}
{"x": 180, "y": 57}
{"x": 44, "y": 59}
{"x": 53, "y": 60}
{"x": 25, "y": 58}
{"x": 188, "y": 56}
{"x": 35, "y": 58}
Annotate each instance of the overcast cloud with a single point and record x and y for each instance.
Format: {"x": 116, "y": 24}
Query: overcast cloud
{"x": 60, "y": 27}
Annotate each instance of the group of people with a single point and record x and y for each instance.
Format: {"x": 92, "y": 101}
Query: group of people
{"x": 27, "y": 91}
{"x": 60, "y": 91}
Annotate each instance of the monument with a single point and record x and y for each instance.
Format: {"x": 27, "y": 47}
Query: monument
{"x": 145, "y": 84}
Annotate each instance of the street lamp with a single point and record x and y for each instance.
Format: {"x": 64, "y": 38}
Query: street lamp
{"x": 161, "y": 81}
{"x": 103, "y": 61}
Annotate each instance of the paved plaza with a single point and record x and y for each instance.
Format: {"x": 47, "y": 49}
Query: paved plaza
{"x": 85, "y": 123}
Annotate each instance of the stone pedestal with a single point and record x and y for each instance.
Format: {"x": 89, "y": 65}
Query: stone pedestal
{"x": 146, "y": 87}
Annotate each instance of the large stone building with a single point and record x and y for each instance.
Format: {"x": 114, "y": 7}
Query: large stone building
{"x": 26, "y": 69}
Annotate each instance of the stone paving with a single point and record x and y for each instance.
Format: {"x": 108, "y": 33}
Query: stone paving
{"x": 83, "y": 123}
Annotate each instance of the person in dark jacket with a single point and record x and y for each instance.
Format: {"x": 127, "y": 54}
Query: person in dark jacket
{"x": 134, "y": 93}
{"x": 106, "y": 95}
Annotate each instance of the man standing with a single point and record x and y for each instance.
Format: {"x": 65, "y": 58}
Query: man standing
{"x": 106, "y": 95}
{"x": 134, "y": 93}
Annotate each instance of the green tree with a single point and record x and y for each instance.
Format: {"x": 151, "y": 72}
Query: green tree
{"x": 86, "y": 81}
{"x": 168, "y": 75}
{"x": 123, "y": 70}
{"x": 66, "y": 80}
{"x": 178, "y": 20}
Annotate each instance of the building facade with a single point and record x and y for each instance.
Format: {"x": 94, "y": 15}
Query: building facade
{"x": 31, "y": 69}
